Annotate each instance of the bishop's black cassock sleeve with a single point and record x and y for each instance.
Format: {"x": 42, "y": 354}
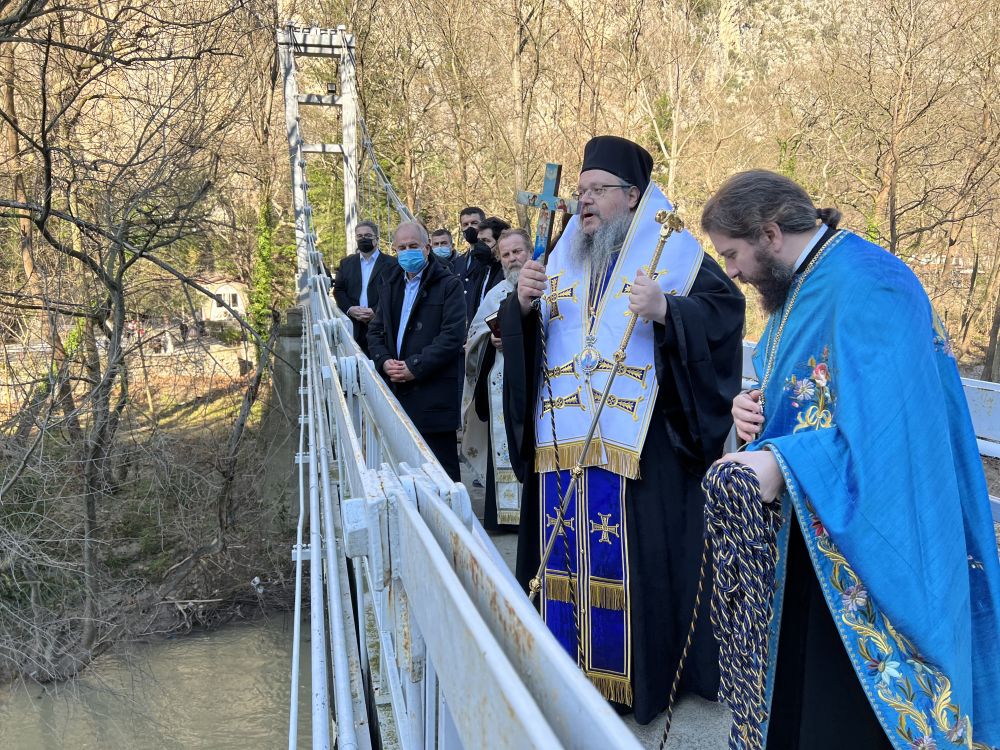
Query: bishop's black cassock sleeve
{"x": 521, "y": 363}
{"x": 699, "y": 358}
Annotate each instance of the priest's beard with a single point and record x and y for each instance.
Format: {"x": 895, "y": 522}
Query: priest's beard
{"x": 598, "y": 249}
{"x": 772, "y": 280}
{"x": 512, "y": 275}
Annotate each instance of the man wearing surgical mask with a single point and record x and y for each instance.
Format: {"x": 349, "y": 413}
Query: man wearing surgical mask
{"x": 356, "y": 286}
{"x": 416, "y": 340}
{"x": 486, "y": 271}
{"x": 443, "y": 246}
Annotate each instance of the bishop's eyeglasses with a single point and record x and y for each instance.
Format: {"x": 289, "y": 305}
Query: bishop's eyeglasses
{"x": 597, "y": 191}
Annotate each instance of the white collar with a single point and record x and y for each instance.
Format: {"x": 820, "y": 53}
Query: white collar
{"x": 808, "y": 249}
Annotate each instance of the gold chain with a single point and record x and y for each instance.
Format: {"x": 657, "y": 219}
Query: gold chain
{"x": 772, "y": 351}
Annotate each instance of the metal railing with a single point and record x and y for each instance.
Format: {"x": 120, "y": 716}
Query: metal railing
{"x": 450, "y": 654}
{"x": 419, "y": 632}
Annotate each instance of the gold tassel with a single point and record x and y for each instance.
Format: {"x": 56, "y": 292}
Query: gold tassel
{"x": 509, "y": 517}
{"x": 607, "y": 595}
{"x": 569, "y": 455}
{"x": 621, "y": 461}
{"x": 615, "y": 688}
{"x": 557, "y": 588}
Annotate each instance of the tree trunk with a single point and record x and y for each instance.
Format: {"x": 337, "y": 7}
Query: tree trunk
{"x": 45, "y": 321}
{"x": 991, "y": 369}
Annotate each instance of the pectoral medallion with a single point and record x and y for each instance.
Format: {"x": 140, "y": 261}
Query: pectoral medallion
{"x": 590, "y": 357}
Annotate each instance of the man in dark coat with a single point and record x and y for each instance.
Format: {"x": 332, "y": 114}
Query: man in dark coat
{"x": 356, "y": 287}
{"x": 416, "y": 340}
{"x": 634, "y": 526}
{"x": 443, "y": 246}
{"x": 486, "y": 270}
{"x": 469, "y": 219}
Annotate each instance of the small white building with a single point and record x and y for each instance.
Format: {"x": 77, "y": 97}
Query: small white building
{"x": 234, "y": 293}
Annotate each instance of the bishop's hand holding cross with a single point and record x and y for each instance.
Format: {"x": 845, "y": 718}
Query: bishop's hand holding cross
{"x": 531, "y": 284}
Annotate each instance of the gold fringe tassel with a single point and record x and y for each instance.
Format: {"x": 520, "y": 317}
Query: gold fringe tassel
{"x": 569, "y": 455}
{"x": 624, "y": 463}
{"x": 613, "y": 687}
{"x": 607, "y": 595}
{"x": 557, "y": 588}
{"x": 509, "y": 517}
{"x": 621, "y": 461}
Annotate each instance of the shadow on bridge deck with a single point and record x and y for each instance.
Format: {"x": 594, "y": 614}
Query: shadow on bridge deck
{"x": 698, "y": 724}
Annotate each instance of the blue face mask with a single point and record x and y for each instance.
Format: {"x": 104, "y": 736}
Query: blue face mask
{"x": 442, "y": 252}
{"x": 411, "y": 261}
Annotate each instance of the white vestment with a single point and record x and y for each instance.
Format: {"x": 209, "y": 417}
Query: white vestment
{"x": 478, "y": 437}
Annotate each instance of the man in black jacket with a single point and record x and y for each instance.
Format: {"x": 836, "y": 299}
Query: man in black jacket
{"x": 356, "y": 287}
{"x": 469, "y": 219}
{"x": 416, "y": 340}
{"x": 443, "y": 246}
{"x": 486, "y": 271}
{"x": 469, "y": 264}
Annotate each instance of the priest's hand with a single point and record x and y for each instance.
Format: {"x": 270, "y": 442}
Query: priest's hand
{"x": 531, "y": 284}
{"x": 747, "y": 415}
{"x": 647, "y": 300}
{"x": 497, "y": 342}
{"x": 765, "y": 466}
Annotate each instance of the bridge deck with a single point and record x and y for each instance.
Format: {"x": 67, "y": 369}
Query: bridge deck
{"x": 698, "y": 724}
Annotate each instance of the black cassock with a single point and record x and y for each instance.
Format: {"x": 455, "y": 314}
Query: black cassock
{"x": 698, "y": 364}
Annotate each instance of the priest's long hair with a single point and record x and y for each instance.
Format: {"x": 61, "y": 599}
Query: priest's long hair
{"x": 749, "y": 200}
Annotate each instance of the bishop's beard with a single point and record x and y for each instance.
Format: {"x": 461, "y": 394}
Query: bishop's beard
{"x": 598, "y": 249}
{"x": 772, "y": 280}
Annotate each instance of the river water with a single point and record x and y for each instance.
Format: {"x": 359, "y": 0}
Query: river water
{"x": 216, "y": 690}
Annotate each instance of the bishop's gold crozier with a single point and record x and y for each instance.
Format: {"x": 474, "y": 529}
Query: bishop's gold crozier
{"x": 671, "y": 223}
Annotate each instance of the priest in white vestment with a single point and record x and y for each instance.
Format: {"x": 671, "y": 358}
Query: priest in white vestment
{"x": 484, "y": 441}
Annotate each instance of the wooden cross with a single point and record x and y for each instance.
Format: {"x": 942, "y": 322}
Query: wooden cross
{"x": 548, "y": 202}
{"x": 604, "y": 528}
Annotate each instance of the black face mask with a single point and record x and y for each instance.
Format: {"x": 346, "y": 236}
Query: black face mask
{"x": 366, "y": 245}
{"x": 482, "y": 252}
{"x": 471, "y": 234}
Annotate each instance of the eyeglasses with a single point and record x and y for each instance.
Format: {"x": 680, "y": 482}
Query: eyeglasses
{"x": 597, "y": 191}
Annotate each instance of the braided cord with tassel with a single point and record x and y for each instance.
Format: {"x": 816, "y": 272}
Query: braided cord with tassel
{"x": 742, "y": 532}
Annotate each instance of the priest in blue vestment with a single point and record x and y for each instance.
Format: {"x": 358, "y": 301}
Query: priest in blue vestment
{"x": 619, "y": 586}
{"x": 886, "y": 623}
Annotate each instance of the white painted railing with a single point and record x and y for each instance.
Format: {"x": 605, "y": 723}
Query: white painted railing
{"x": 451, "y": 652}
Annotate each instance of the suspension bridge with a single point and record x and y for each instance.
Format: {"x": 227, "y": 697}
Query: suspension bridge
{"x": 418, "y": 634}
